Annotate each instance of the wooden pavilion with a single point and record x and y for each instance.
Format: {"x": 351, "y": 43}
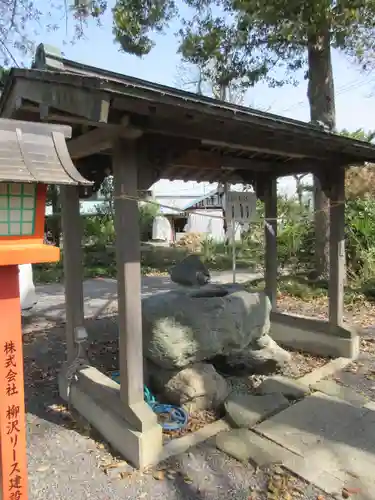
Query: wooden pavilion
{"x": 141, "y": 132}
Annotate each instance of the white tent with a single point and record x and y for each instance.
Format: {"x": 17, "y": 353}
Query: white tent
{"x": 28, "y": 296}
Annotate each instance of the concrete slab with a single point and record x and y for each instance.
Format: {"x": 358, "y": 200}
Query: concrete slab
{"x": 316, "y": 419}
{"x": 332, "y": 436}
{"x": 246, "y": 410}
{"x": 239, "y": 443}
{"x": 347, "y": 394}
{"x": 291, "y": 389}
{"x": 97, "y": 398}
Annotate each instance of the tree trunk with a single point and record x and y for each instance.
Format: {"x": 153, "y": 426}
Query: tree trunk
{"x": 299, "y": 188}
{"x": 322, "y": 111}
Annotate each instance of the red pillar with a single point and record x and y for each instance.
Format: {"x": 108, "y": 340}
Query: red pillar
{"x": 13, "y": 461}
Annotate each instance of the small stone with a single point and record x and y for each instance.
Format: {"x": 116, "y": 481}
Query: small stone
{"x": 159, "y": 475}
{"x": 291, "y": 389}
{"x": 348, "y": 492}
{"x": 43, "y": 468}
{"x": 278, "y": 470}
{"x": 277, "y": 482}
{"x": 234, "y": 444}
{"x": 118, "y": 469}
{"x": 124, "y": 474}
{"x": 197, "y": 387}
{"x": 246, "y": 410}
{"x": 190, "y": 272}
{"x": 171, "y": 474}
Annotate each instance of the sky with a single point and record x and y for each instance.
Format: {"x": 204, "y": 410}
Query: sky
{"x": 355, "y": 91}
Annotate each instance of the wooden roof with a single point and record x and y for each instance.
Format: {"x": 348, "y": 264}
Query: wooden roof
{"x": 36, "y": 152}
{"x": 184, "y": 136}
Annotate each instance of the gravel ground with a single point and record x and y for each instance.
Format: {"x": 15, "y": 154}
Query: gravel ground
{"x": 360, "y": 375}
{"x": 63, "y": 464}
{"x": 67, "y": 460}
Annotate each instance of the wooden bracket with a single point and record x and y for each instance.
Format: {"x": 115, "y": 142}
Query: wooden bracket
{"x": 80, "y": 102}
{"x": 101, "y": 138}
{"x": 328, "y": 179}
{"x": 261, "y": 184}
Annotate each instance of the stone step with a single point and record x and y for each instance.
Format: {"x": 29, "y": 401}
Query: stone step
{"x": 247, "y": 410}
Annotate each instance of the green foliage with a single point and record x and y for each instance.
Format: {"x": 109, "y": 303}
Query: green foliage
{"x": 288, "y": 27}
{"x": 147, "y": 214}
{"x": 4, "y": 72}
{"x": 223, "y": 52}
{"x": 294, "y": 233}
{"x": 360, "y": 238}
{"x": 295, "y": 249}
{"x": 360, "y": 180}
{"x": 107, "y": 190}
{"x": 360, "y": 135}
{"x": 98, "y": 230}
{"x": 247, "y": 40}
{"x": 134, "y": 20}
{"x": 21, "y": 22}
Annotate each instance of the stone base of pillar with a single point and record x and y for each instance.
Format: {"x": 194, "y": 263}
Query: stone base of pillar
{"x": 314, "y": 336}
{"x": 97, "y": 398}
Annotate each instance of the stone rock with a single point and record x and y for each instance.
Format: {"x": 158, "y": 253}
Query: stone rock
{"x": 190, "y": 272}
{"x": 263, "y": 355}
{"x": 291, "y": 389}
{"x": 239, "y": 444}
{"x": 246, "y": 410}
{"x": 197, "y": 387}
{"x": 184, "y": 326}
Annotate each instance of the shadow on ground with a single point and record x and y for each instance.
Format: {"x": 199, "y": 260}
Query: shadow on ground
{"x": 67, "y": 460}
{"x": 65, "y": 457}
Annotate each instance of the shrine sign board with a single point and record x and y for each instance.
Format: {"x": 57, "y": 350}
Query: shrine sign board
{"x": 32, "y": 155}
{"x": 240, "y": 207}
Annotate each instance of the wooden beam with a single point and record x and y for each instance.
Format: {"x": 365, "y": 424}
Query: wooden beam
{"x": 100, "y": 139}
{"x": 270, "y": 233}
{"x": 125, "y": 172}
{"x": 90, "y": 104}
{"x": 238, "y": 136}
{"x": 212, "y": 161}
{"x": 95, "y": 141}
{"x": 253, "y": 148}
{"x": 207, "y": 160}
{"x": 46, "y": 113}
{"x": 73, "y": 265}
{"x": 337, "y": 249}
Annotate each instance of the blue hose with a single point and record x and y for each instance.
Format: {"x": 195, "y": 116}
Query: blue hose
{"x": 178, "y": 417}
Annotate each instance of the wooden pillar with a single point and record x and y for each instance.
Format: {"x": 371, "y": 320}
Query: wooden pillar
{"x": 270, "y": 228}
{"x": 125, "y": 171}
{"x": 73, "y": 265}
{"x": 337, "y": 248}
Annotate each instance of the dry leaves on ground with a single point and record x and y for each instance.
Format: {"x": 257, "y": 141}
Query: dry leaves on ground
{"x": 360, "y": 313}
{"x": 303, "y": 363}
{"x": 197, "y": 420}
